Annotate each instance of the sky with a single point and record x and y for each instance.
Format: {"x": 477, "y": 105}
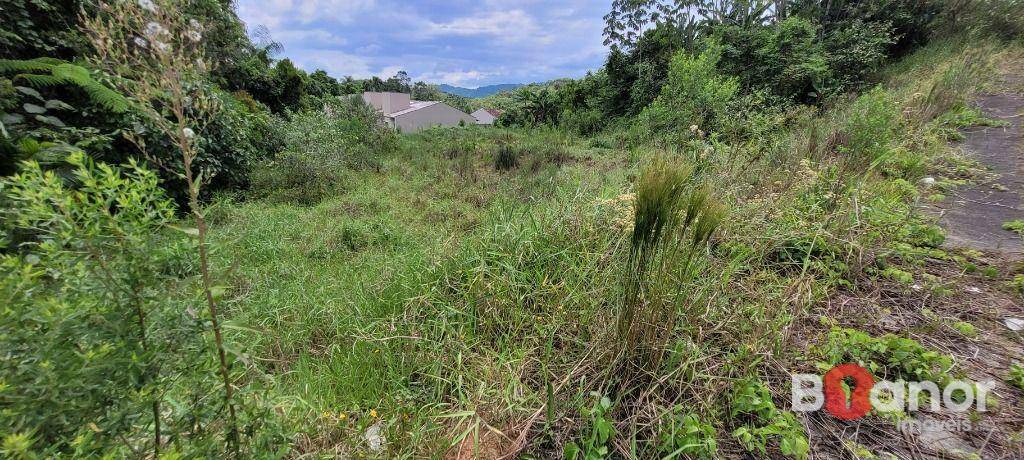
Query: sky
{"x": 460, "y": 42}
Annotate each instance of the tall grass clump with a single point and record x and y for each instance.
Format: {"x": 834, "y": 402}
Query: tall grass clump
{"x": 506, "y": 156}
{"x": 673, "y": 220}
{"x": 950, "y": 90}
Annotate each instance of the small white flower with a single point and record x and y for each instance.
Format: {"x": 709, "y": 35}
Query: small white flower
{"x": 189, "y": 134}
{"x": 140, "y": 42}
{"x": 162, "y": 46}
{"x": 195, "y": 24}
{"x": 194, "y": 35}
{"x": 148, "y": 5}
{"x": 154, "y": 30}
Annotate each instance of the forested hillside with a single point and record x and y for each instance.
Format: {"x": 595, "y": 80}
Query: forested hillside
{"x": 208, "y": 252}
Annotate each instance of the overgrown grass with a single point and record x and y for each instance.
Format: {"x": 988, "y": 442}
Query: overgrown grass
{"x": 471, "y": 294}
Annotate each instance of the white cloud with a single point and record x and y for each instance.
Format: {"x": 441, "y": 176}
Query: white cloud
{"x": 273, "y": 13}
{"x": 336, "y": 63}
{"x": 389, "y": 71}
{"x": 315, "y": 37}
{"x": 467, "y": 43}
{"x": 514, "y": 25}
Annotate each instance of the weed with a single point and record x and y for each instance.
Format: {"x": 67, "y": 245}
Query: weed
{"x": 965, "y": 328}
{"x": 1017, "y": 283}
{"x": 673, "y": 221}
{"x": 594, "y": 445}
{"x": 1016, "y": 226}
{"x": 897, "y": 275}
{"x": 683, "y": 434}
{"x": 1016, "y": 375}
{"x": 506, "y": 157}
{"x": 766, "y": 422}
{"x": 887, "y": 357}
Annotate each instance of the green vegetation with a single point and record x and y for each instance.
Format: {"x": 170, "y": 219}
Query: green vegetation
{"x": 753, "y": 402}
{"x": 1015, "y": 226}
{"x": 887, "y": 357}
{"x": 594, "y": 446}
{"x": 1016, "y": 376}
{"x": 618, "y": 271}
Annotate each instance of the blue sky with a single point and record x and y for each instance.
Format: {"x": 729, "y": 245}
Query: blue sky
{"x": 459, "y": 42}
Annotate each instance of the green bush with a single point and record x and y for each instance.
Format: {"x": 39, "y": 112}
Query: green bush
{"x": 594, "y": 444}
{"x": 696, "y": 93}
{"x": 84, "y": 290}
{"x": 752, "y": 401}
{"x": 855, "y": 51}
{"x": 872, "y": 124}
{"x": 320, "y": 146}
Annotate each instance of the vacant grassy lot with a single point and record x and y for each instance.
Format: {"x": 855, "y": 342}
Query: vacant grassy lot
{"x": 466, "y": 296}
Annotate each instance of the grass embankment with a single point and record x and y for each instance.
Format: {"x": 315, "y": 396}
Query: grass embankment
{"x": 473, "y": 310}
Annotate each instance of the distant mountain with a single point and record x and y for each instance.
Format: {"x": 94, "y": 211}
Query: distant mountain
{"x": 482, "y": 91}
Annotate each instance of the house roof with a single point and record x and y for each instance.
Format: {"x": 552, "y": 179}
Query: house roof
{"x": 492, "y": 112}
{"x": 413, "y": 106}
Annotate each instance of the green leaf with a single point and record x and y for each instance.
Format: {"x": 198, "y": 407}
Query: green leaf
{"x": 29, "y": 92}
{"x": 186, "y": 230}
{"x": 218, "y": 292}
{"x": 12, "y": 119}
{"x": 53, "y": 121}
{"x": 571, "y": 451}
{"x": 32, "y": 108}
{"x": 58, "y": 104}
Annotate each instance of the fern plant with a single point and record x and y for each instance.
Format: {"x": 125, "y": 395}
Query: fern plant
{"x": 48, "y": 72}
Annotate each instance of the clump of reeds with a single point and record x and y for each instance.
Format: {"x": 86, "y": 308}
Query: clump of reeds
{"x": 674, "y": 218}
{"x": 506, "y": 157}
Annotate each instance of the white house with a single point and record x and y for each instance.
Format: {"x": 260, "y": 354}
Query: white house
{"x": 486, "y": 116}
{"x": 407, "y": 116}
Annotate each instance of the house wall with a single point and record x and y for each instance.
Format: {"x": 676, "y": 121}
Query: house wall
{"x": 437, "y": 114}
{"x": 387, "y": 102}
{"x": 483, "y": 117}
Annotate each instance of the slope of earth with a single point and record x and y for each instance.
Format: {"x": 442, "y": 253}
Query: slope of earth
{"x": 961, "y": 300}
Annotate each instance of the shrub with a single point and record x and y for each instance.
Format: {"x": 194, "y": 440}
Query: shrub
{"x": 872, "y": 123}
{"x": 344, "y": 131}
{"x": 695, "y": 93}
{"x": 320, "y": 146}
{"x": 87, "y": 320}
{"x": 298, "y": 178}
{"x": 856, "y": 50}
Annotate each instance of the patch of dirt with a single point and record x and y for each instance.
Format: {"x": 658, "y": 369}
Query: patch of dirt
{"x": 922, "y": 313}
{"x": 973, "y": 217}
